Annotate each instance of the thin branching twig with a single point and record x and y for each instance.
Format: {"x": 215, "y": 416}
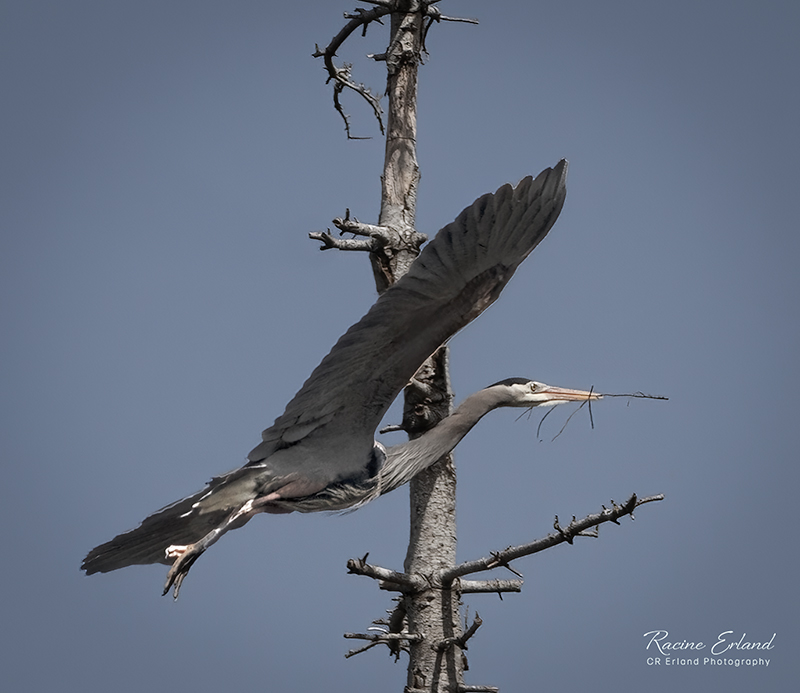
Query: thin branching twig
{"x": 635, "y": 395}
{"x": 342, "y": 76}
{"x": 575, "y": 528}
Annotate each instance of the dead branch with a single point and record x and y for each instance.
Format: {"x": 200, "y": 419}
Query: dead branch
{"x": 501, "y": 562}
{"x": 394, "y": 641}
{"x": 390, "y": 579}
{"x": 461, "y": 640}
{"x": 382, "y": 235}
{"x": 490, "y": 586}
{"x": 378, "y": 236}
{"x": 435, "y": 15}
{"x": 381, "y": 241}
{"x": 342, "y": 76}
{"x": 329, "y": 242}
{"x": 575, "y": 528}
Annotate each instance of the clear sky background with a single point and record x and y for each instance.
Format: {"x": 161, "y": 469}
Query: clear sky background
{"x": 161, "y": 166}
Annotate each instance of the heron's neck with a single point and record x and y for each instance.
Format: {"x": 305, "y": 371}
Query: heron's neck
{"x": 405, "y": 461}
{"x": 452, "y": 429}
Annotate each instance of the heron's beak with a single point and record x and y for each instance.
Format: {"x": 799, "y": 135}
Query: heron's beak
{"x": 556, "y": 395}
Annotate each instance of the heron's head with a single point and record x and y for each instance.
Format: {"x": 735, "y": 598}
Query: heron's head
{"x": 521, "y": 392}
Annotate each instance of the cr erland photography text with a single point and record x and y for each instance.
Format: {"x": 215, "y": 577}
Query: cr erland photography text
{"x": 726, "y": 649}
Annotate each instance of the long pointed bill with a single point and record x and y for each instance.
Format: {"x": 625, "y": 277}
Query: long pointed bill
{"x": 556, "y": 395}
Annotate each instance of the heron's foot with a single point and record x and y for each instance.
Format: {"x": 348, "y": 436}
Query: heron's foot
{"x": 184, "y": 556}
{"x": 176, "y": 550}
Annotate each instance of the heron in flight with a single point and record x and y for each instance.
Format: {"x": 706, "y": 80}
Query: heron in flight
{"x": 320, "y": 454}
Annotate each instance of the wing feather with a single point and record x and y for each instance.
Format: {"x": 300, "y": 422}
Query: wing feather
{"x": 456, "y": 276}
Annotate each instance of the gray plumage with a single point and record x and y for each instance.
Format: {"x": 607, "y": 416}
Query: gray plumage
{"x": 320, "y": 454}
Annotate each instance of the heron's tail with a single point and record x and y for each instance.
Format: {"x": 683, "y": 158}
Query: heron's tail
{"x": 180, "y": 523}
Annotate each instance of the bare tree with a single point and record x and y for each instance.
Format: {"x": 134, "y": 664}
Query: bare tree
{"x": 427, "y": 621}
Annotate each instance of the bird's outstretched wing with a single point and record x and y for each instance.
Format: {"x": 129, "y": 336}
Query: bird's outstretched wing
{"x": 454, "y": 279}
{"x": 326, "y": 432}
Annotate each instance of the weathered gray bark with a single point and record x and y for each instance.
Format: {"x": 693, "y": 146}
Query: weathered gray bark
{"x": 434, "y": 613}
{"x": 400, "y": 169}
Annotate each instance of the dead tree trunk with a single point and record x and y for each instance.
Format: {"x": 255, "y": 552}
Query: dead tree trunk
{"x": 400, "y": 169}
{"x": 434, "y": 613}
{"x": 427, "y": 620}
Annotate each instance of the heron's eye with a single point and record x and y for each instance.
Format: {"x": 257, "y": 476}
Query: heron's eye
{"x": 534, "y": 387}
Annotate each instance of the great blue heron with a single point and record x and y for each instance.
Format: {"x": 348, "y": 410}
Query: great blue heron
{"x": 320, "y": 454}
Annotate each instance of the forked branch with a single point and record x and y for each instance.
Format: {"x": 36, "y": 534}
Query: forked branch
{"x": 567, "y": 534}
{"x": 360, "y": 18}
{"x": 394, "y": 641}
{"x": 377, "y": 236}
{"x": 412, "y": 583}
{"x": 461, "y": 640}
{"x": 342, "y": 76}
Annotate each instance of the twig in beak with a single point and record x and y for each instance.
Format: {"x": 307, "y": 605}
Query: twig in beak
{"x": 569, "y": 418}
{"x": 539, "y": 427}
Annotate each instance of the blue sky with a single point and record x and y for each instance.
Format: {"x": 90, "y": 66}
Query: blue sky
{"x": 161, "y": 166}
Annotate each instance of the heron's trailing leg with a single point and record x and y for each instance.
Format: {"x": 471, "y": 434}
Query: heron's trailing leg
{"x": 185, "y": 556}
